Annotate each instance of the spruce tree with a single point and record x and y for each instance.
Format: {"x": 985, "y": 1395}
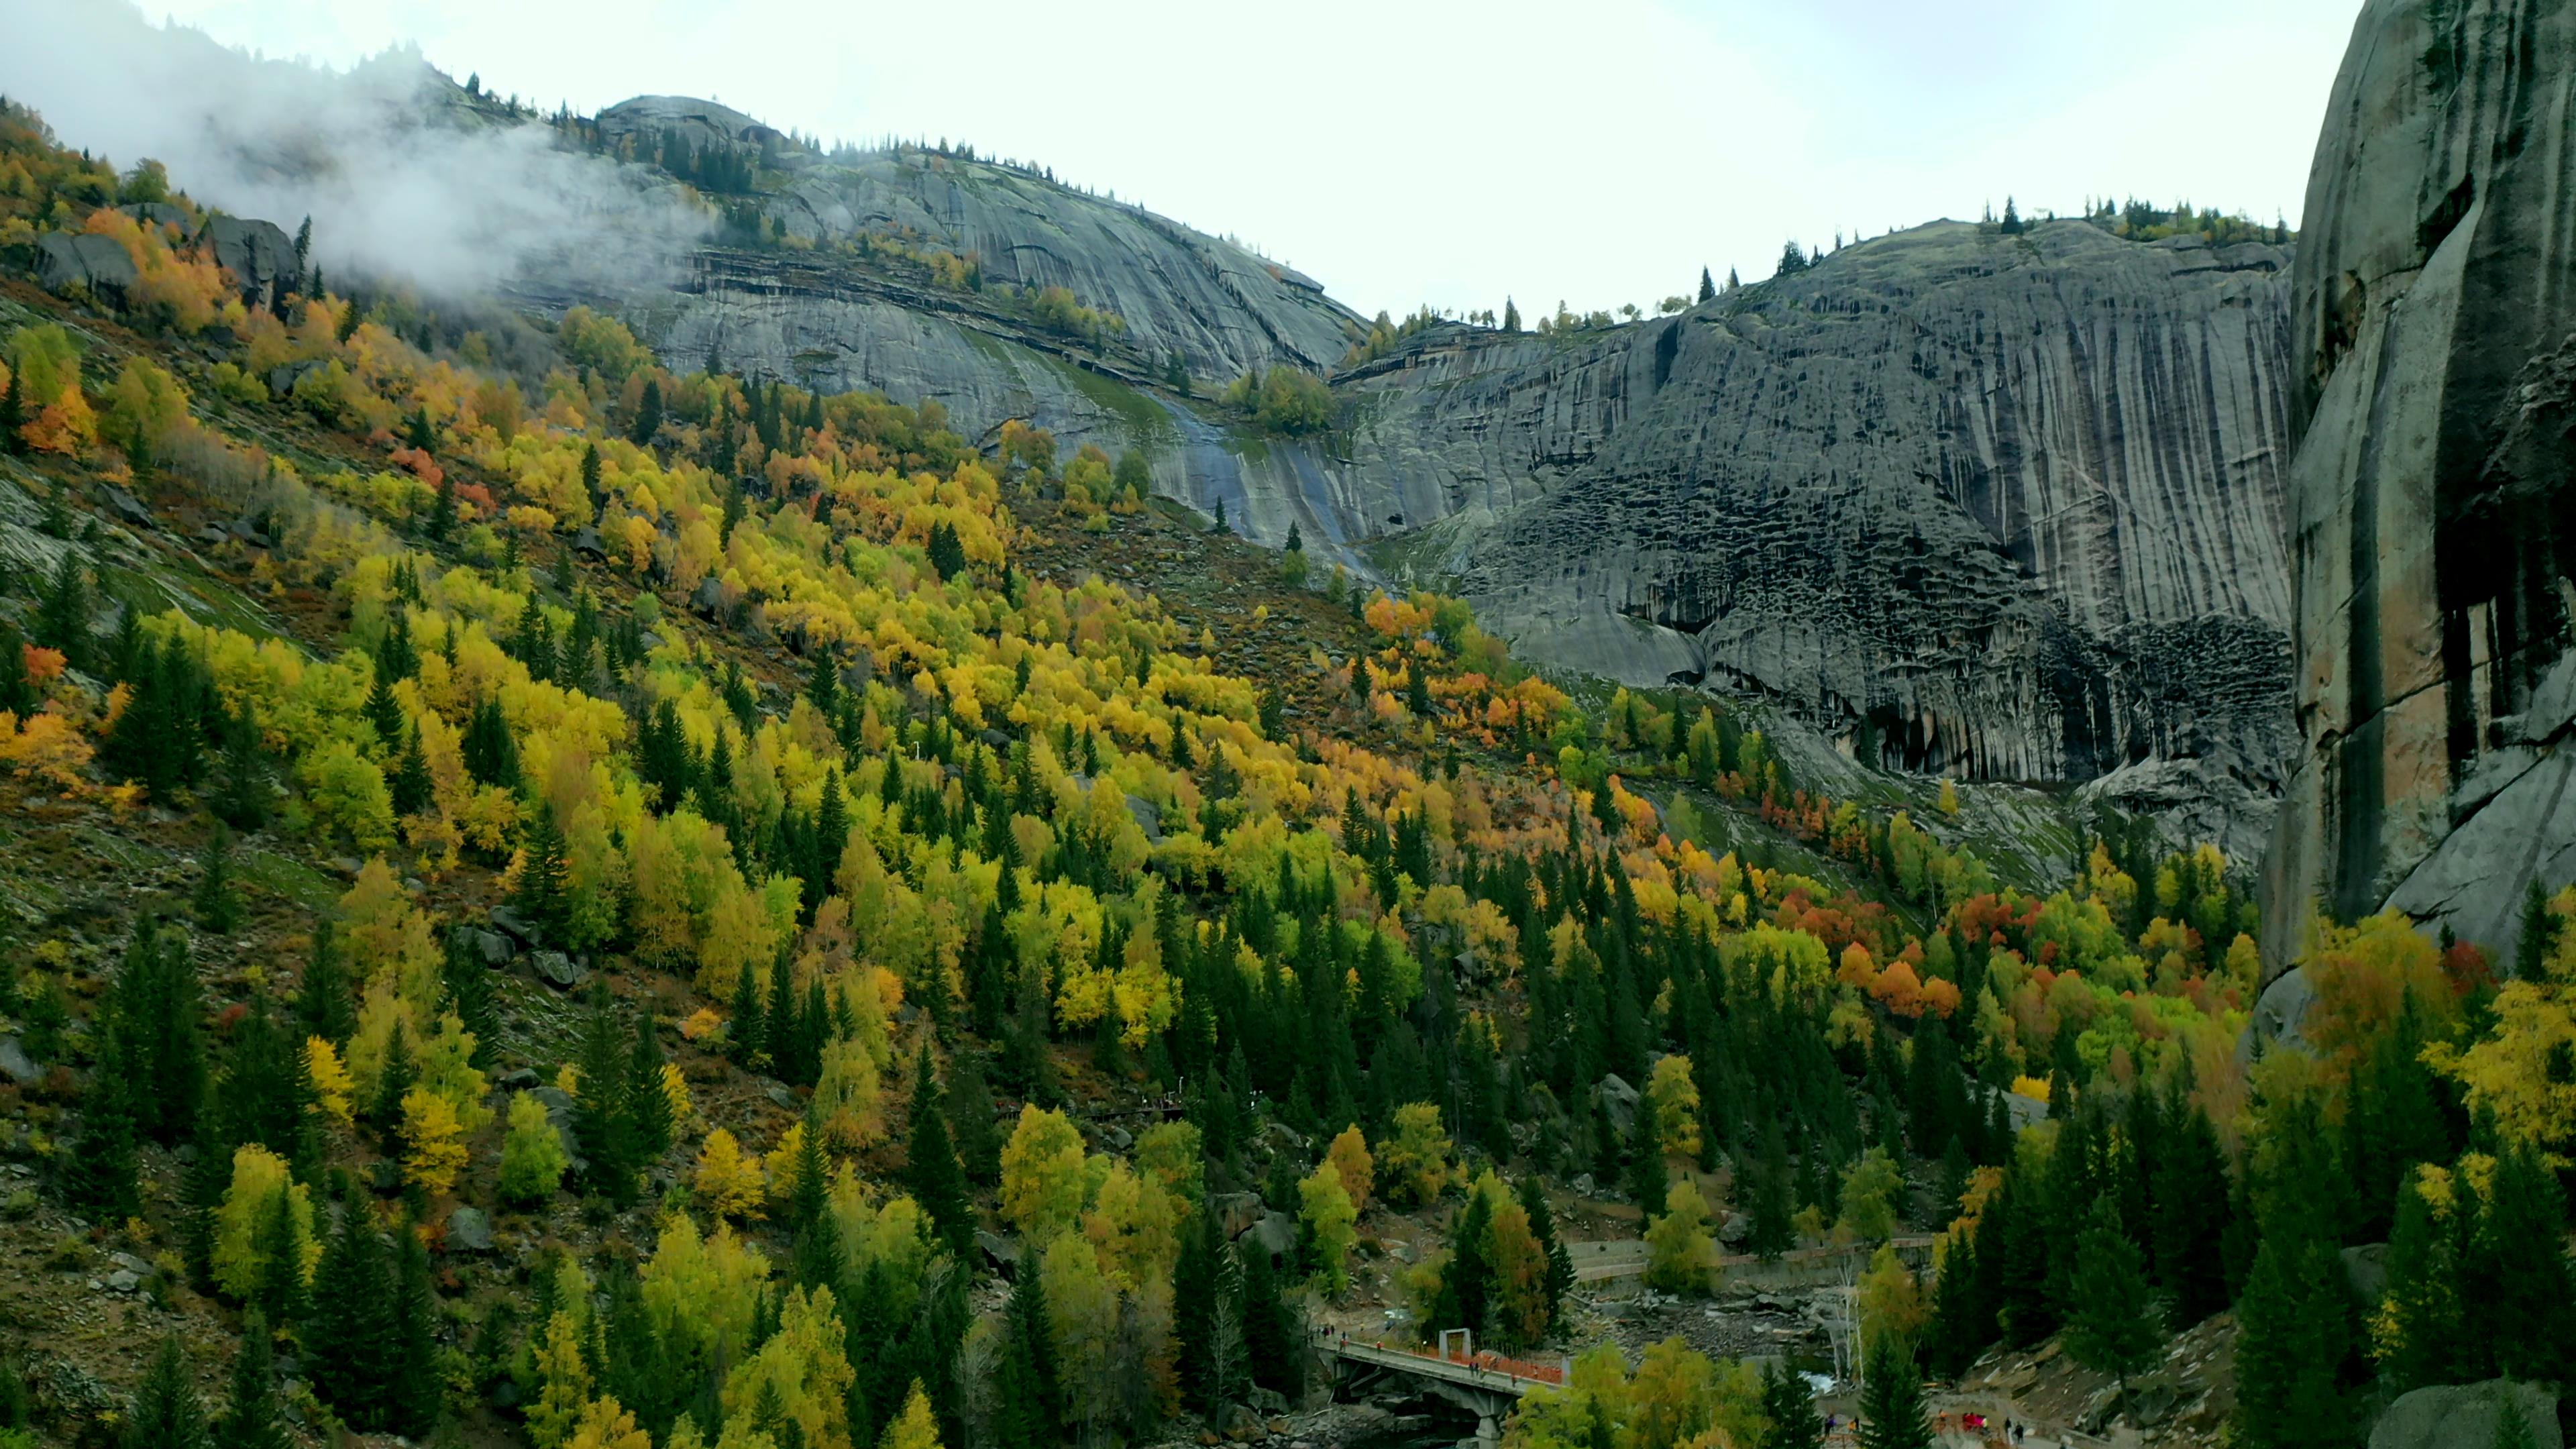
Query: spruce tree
{"x": 2293, "y": 1335}
{"x": 1648, "y": 1180}
{"x": 325, "y": 999}
{"x": 648, "y": 414}
{"x": 217, "y": 904}
{"x": 970, "y": 1120}
{"x": 17, "y": 693}
{"x": 2419, "y": 1329}
{"x": 1032, "y": 1407}
{"x": 930, "y": 1165}
{"x": 252, "y": 1418}
{"x": 384, "y": 714}
{"x": 63, "y": 614}
{"x": 2191, "y": 1199}
{"x": 1707, "y": 286}
{"x": 1772, "y": 1233}
{"x": 2517, "y": 1271}
{"x": 242, "y": 787}
{"x": 2112, "y": 1329}
{"x": 1271, "y": 1341}
{"x": 351, "y": 1349}
{"x": 167, "y": 1413}
{"x": 98, "y": 1168}
{"x": 412, "y": 1387}
{"x": 746, "y": 1037}
{"x": 602, "y": 1123}
{"x": 13, "y": 416}
{"x": 647, "y": 1104}
{"x": 540, "y": 896}
{"x": 1891, "y": 1402}
{"x": 2538, "y": 934}
{"x": 410, "y": 785}
{"x": 1467, "y": 1281}
{"x": 152, "y": 1032}
{"x": 1791, "y": 1407}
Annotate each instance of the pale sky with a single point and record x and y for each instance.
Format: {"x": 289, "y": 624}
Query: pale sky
{"x": 1455, "y": 151}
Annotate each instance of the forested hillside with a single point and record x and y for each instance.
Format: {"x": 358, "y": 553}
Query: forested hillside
{"x": 557, "y": 900}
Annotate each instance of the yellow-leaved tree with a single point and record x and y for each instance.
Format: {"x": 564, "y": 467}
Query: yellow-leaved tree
{"x": 915, "y": 1428}
{"x": 1044, "y": 1181}
{"x": 1349, "y": 1156}
{"x": 264, "y": 1213}
{"x": 1415, "y": 1162}
{"x": 1325, "y": 1207}
{"x": 1681, "y": 1254}
{"x": 730, "y": 1182}
{"x": 1674, "y": 1099}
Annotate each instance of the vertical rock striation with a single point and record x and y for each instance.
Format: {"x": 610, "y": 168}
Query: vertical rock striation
{"x": 2433, "y": 525}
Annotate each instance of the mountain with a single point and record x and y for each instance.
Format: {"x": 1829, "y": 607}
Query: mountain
{"x": 1999, "y": 505}
{"x": 2433, "y": 525}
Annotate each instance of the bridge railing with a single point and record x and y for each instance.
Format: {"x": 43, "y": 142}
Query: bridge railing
{"x": 1517, "y": 1369}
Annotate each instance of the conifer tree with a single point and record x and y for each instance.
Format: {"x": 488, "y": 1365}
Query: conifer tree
{"x": 152, "y": 1032}
{"x": 350, "y": 1351}
{"x": 2112, "y": 1327}
{"x": 1648, "y": 1180}
{"x": 13, "y": 416}
{"x": 2191, "y": 1197}
{"x": 648, "y": 414}
{"x": 746, "y": 1036}
{"x": 63, "y": 613}
{"x": 17, "y": 692}
{"x": 252, "y": 1418}
{"x": 1467, "y": 1281}
{"x": 1560, "y": 1263}
{"x": 2293, "y": 1334}
{"x": 325, "y": 1000}
{"x": 1791, "y": 1407}
{"x": 167, "y": 1413}
{"x": 98, "y": 1168}
{"x": 384, "y": 714}
{"x": 1272, "y": 1344}
{"x": 540, "y": 896}
{"x": 1707, "y": 286}
{"x": 412, "y": 1388}
{"x": 970, "y": 1120}
{"x": 2516, "y": 1270}
{"x": 601, "y": 1120}
{"x": 2418, "y": 1333}
{"x": 442, "y": 512}
{"x": 646, "y": 1102}
{"x": 1772, "y": 1233}
{"x": 410, "y": 786}
{"x": 217, "y": 904}
{"x": 241, "y": 776}
{"x": 1031, "y": 1399}
{"x": 1891, "y": 1404}
{"x": 930, "y": 1165}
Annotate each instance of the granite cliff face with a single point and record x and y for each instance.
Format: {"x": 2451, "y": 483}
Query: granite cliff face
{"x": 2433, "y": 521}
{"x": 2007, "y": 506}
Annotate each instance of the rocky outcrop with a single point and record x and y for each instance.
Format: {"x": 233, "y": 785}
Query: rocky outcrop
{"x": 1173, "y": 290}
{"x": 68, "y": 260}
{"x": 2433, "y": 525}
{"x": 2005, "y": 506}
{"x": 2470, "y": 1416}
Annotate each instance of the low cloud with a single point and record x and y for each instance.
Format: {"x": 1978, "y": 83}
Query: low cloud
{"x": 401, "y": 175}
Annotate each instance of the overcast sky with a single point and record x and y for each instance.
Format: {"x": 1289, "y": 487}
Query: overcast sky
{"x": 1454, "y": 151}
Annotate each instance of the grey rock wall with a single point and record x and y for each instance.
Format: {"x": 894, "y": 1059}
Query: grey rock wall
{"x": 2433, "y": 527}
{"x": 2003, "y": 506}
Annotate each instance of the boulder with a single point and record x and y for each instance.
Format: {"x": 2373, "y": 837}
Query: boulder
{"x": 283, "y": 377}
{"x": 2366, "y": 1269}
{"x": 557, "y": 970}
{"x": 507, "y": 920}
{"x": 1276, "y": 1234}
{"x": 469, "y": 1231}
{"x": 586, "y": 543}
{"x": 66, "y": 260}
{"x": 1236, "y": 1211}
{"x": 2278, "y": 1017}
{"x": 1149, "y": 817}
{"x": 1618, "y": 1102}
{"x": 558, "y": 1105}
{"x": 1001, "y": 1253}
{"x": 257, "y": 253}
{"x": 15, "y": 1064}
{"x": 520, "y": 1079}
{"x": 156, "y": 213}
{"x": 491, "y": 948}
{"x": 130, "y": 508}
{"x": 2464, "y": 1416}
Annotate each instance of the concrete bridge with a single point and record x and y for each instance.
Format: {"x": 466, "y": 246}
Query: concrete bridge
{"x": 1485, "y": 1385}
